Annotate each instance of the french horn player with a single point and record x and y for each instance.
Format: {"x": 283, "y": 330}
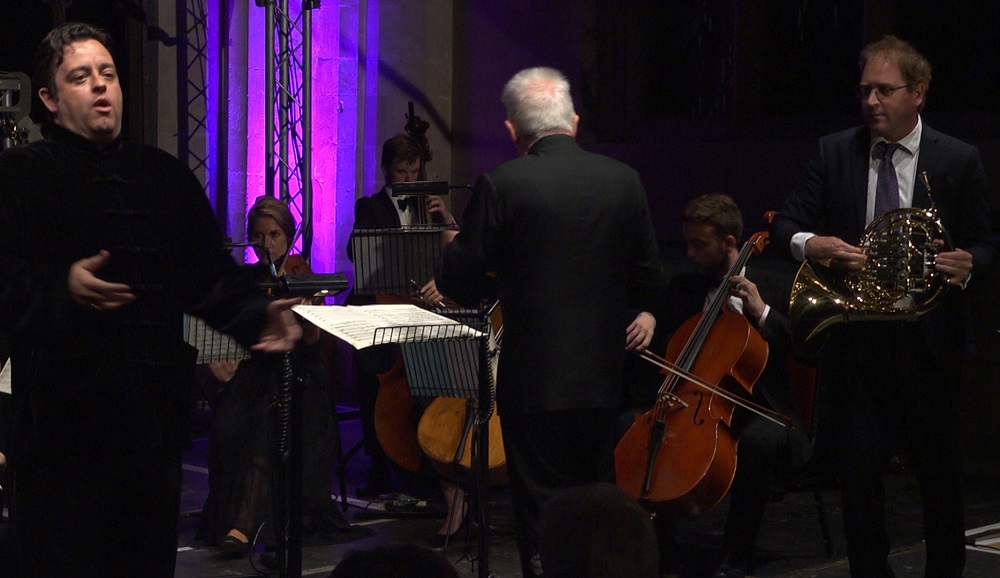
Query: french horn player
{"x": 891, "y": 362}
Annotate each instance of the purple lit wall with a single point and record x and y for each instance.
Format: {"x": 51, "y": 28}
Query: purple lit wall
{"x": 335, "y": 113}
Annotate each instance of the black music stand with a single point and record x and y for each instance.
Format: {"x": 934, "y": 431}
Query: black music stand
{"x": 392, "y": 260}
{"x": 212, "y": 345}
{"x": 444, "y": 357}
{"x": 448, "y": 364}
{"x": 287, "y": 403}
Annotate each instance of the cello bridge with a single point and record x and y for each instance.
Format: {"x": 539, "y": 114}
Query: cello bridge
{"x": 669, "y": 399}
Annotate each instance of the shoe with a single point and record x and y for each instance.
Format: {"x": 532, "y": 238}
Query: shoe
{"x": 536, "y": 566}
{"x": 234, "y": 547}
{"x": 440, "y": 541}
{"x": 325, "y": 519}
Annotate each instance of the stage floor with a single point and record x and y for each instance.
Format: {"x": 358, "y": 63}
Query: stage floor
{"x": 790, "y": 542}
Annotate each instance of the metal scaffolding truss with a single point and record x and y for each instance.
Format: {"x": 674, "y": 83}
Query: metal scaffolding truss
{"x": 288, "y": 102}
{"x": 192, "y": 109}
{"x": 288, "y": 89}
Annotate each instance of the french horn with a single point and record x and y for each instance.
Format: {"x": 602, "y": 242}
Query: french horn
{"x": 898, "y": 281}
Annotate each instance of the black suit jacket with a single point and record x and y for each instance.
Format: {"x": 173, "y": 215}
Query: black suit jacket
{"x": 831, "y": 196}
{"x": 375, "y": 212}
{"x": 569, "y": 236}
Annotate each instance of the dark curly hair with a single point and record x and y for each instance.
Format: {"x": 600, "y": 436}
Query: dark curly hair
{"x": 49, "y": 54}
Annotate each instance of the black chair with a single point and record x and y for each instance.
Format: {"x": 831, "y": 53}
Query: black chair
{"x": 802, "y": 379}
{"x": 345, "y": 412}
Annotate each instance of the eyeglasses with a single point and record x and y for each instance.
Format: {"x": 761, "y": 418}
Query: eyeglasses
{"x": 881, "y": 90}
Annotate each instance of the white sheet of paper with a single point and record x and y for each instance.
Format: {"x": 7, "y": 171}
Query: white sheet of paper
{"x": 357, "y": 324}
{"x": 5, "y": 378}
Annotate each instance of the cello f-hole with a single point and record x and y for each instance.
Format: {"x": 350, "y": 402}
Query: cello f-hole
{"x": 696, "y": 418}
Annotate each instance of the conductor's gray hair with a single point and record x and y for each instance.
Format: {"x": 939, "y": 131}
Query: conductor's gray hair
{"x": 539, "y": 103}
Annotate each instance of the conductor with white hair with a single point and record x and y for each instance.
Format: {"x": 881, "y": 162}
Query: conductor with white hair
{"x": 568, "y": 237}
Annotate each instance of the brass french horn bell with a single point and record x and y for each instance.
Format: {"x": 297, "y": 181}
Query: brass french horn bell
{"x": 898, "y": 281}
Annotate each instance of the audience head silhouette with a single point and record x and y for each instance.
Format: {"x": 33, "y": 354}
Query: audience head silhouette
{"x": 395, "y": 561}
{"x": 597, "y": 531}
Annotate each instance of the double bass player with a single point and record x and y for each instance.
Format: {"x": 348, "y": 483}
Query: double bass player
{"x": 401, "y": 162}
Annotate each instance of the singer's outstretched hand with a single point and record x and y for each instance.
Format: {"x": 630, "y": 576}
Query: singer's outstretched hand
{"x": 281, "y": 330}
{"x": 86, "y": 288}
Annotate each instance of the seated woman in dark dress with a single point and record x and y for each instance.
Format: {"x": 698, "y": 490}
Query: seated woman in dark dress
{"x": 240, "y": 438}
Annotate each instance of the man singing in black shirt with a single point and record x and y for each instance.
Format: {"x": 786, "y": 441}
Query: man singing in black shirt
{"x": 106, "y": 245}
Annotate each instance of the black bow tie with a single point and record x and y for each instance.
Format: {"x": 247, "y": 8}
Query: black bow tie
{"x": 407, "y": 203}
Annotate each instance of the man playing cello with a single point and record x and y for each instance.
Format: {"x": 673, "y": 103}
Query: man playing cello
{"x": 712, "y": 227}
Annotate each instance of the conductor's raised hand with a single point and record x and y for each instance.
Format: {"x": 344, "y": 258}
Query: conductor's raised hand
{"x": 87, "y": 289}
{"x": 281, "y": 330}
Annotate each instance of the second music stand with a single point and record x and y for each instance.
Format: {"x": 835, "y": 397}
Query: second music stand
{"x": 444, "y": 361}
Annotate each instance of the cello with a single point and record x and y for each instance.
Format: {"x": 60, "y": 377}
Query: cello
{"x": 680, "y": 455}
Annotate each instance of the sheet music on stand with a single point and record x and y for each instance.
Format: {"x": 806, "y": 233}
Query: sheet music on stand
{"x": 212, "y": 345}
{"x": 444, "y": 358}
{"x": 387, "y": 260}
{"x": 363, "y": 326}
{"x": 446, "y": 364}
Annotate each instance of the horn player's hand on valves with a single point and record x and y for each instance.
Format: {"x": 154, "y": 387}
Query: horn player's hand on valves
{"x": 834, "y": 252}
{"x": 954, "y": 265}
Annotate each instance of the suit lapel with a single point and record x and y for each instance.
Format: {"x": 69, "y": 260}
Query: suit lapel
{"x": 930, "y": 154}
{"x": 859, "y": 162}
{"x": 387, "y": 208}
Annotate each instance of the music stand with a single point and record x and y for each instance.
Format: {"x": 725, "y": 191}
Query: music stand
{"x": 391, "y": 260}
{"x": 212, "y": 345}
{"x": 451, "y": 365}
{"x": 444, "y": 357}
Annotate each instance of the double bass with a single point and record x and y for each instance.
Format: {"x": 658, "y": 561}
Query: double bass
{"x": 680, "y": 456}
{"x": 445, "y": 429}
{"x": 441, "y": 431}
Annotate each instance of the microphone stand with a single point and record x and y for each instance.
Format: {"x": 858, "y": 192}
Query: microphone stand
{"x": 287, "y": 419}
{"x": 229, "y": 244}
{"x": 288, "y": 423}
